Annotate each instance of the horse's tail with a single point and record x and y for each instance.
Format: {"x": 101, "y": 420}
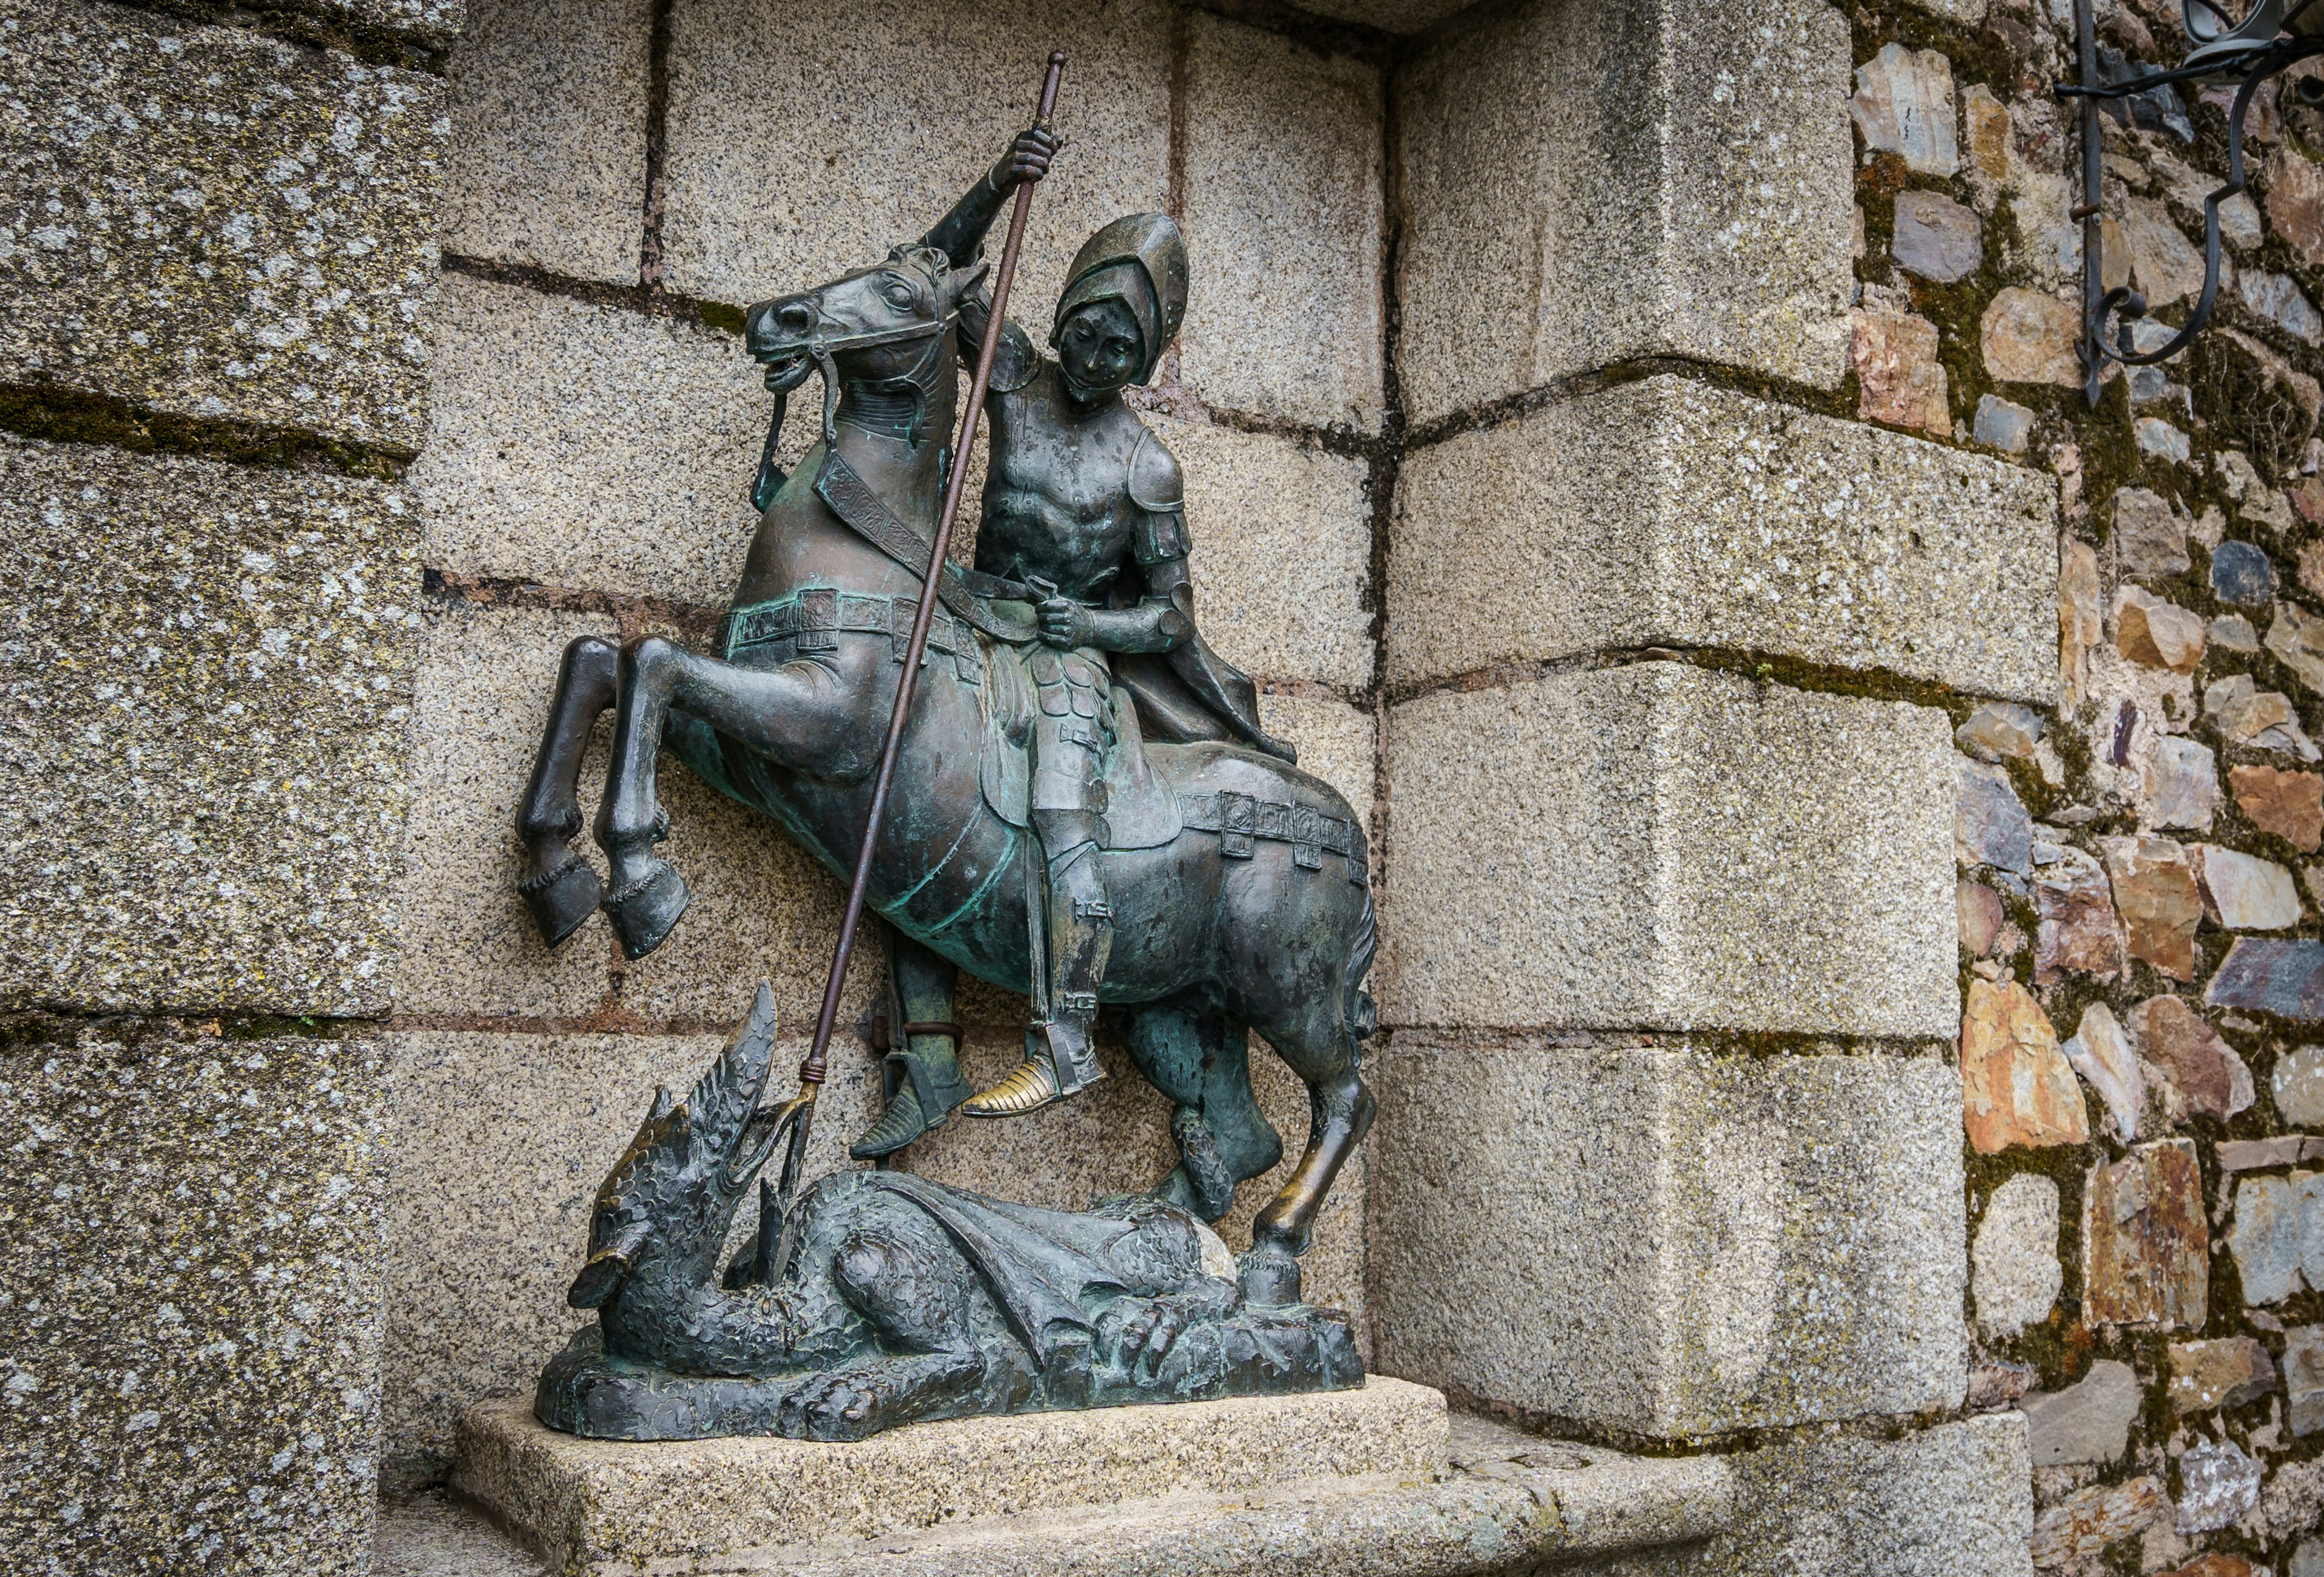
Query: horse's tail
{"x": 1359, "y": 1012}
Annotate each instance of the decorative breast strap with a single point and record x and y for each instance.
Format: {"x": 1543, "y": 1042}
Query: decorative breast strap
{"x": 811, "y": 619}
{"x": 866, "y": 514}
{"x": 1240, "y": 819}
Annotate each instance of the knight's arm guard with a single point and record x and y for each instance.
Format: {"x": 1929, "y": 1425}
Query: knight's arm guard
{"x": 960, "y": 234}
{"x": 1014, "y": 359}
{"x": 1163, "y": 620}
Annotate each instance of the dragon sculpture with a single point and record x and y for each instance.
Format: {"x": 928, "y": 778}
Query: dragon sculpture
{"x": 903, "y": 1299}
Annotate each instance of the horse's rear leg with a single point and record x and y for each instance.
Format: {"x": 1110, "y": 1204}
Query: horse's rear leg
{"x": 1322, "y": 1051}
{"x": 559, "y": 888}
{"x": 1200, "y": 1059}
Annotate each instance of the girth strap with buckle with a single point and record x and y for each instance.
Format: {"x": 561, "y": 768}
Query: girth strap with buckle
{"x": 963, "y": 592}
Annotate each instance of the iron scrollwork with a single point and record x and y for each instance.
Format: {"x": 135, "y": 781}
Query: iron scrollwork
{"x": 2277, "y": 35}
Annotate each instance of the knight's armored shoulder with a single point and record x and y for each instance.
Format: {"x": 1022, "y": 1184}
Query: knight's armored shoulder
{"x": 1015, "y": 361}
{"x": 1157, "y": 489}
{"x": 1155, "y": 484}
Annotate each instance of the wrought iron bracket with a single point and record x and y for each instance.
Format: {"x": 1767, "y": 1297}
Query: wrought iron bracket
{"x": 2258, "y": 50}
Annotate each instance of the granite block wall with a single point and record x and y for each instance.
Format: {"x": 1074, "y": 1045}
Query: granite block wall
{"x": 219, "y": 252}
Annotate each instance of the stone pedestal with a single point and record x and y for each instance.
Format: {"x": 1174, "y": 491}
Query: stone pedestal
{"x": 593, "y": 1505}
{"x": 1496, "y": 1501}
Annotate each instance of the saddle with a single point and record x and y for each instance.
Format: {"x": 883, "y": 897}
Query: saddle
{"x": 1140, "y": 810}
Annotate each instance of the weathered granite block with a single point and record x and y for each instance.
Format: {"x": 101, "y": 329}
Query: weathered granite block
{"x": 762, "y": 203}
{"x": 1388, "y": 16}
{"x": 241, "y": 230}
{"x": 590, "y": 1503}
{"x": 208, "y": 669}
{"x": 1505, "y": 1501}
{"x": 1284, "y": 214}
{"x": 434, "y": 22}
{"x": 497, "y": 1143}
{"x": 1282, "y": 543}
{"x": 1671, "y": 1241}
{"x": 1952, "y": 1501}
{"x": 190, "y": 1342}
{"x": 547, "y": 161}
{"x": 1663, "y": 846}
{"x": 1586, "y": 185}
{"x": 1673, "y": 510}
{"x": 590, "y": 446}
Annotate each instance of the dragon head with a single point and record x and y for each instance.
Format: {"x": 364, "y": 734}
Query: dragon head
{"x": 661, "y": 1215}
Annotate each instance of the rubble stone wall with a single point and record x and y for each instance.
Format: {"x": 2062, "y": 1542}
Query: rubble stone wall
{"x": 2138, "y": 901}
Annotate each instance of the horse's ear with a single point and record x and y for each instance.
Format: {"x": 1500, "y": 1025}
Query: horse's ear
{"x": 959, "y": 283}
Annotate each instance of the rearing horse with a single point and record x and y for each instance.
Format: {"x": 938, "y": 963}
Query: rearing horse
{"x": 1241, "y": 893}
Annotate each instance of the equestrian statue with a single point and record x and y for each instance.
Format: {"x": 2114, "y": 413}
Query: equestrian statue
{"x": 1084, "y": 805}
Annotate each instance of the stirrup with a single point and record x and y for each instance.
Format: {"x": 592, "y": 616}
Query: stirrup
{"x": 1031, "y": 1087}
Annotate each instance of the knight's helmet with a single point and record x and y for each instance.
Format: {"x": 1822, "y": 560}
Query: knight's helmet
{"x": 1140, "y": 261}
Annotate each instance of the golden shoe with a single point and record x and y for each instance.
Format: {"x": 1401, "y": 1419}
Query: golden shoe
{"x": 1033, "y": 1086}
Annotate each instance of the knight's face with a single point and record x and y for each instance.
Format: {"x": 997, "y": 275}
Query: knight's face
{"x": 1100, "y": 348}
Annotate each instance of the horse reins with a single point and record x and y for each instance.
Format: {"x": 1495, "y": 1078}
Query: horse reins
{"x": 823, "y": 350}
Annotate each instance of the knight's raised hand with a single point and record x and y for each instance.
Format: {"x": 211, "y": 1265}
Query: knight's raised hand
{"x": 1028, "y": 158}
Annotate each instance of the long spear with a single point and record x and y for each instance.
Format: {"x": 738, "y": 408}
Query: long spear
{"x": 800, "y": 1112}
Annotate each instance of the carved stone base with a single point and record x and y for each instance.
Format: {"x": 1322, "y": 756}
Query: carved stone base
{"x": 592, "y": 1506}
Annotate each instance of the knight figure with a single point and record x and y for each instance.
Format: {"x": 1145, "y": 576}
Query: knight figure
{"x": 1083, "y": 504}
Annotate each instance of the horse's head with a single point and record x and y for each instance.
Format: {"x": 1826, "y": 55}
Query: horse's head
{"x": 876, "y": 320}
{"x": 661, "y": 1215}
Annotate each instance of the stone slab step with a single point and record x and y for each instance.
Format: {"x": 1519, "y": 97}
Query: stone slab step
{"x": 587, "y": 1501}
{"x": 1467, "y": 1496}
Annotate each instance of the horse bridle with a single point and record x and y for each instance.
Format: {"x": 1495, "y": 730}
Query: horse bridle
{"x": 823, "y": 350}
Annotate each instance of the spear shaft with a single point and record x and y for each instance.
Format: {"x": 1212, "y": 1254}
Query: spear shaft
{"x": 812, "y": 1069}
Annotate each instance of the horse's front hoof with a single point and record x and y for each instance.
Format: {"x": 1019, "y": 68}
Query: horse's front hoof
{"x": 645, "y": 911}
{"x": 1270, "y": 1276}
{"x": 562, "y": 898}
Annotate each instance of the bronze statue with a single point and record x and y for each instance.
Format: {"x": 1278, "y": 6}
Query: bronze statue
{"x": 906, "y": 1300}
{"x": 1204, "y": 884}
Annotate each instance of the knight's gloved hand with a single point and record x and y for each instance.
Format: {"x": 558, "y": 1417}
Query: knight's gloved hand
{"x": 1028, "y": 158}
{"x": 1065, "y": 623}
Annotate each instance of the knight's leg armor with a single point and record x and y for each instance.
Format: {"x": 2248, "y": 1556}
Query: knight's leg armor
{"x": 1080, "y": 937}
{"x": 1068, "y": 756}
